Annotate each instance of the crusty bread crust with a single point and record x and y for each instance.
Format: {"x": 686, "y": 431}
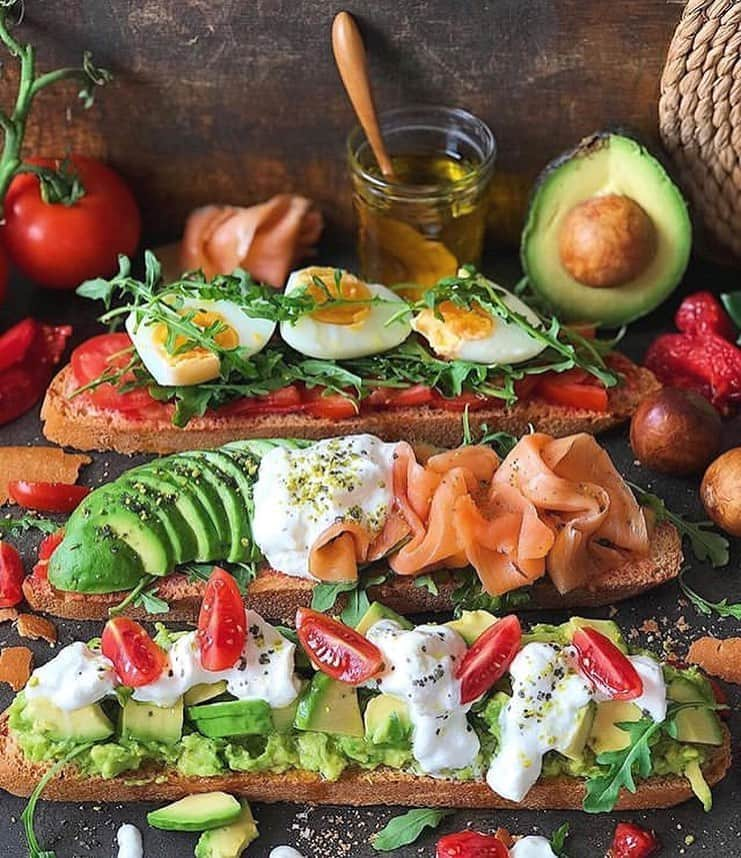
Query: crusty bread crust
{"x": 718, "y": 657}
{"x": 75, "y": 423}
{"x": 277, "y": 596}
{"x": 354, "y": 787}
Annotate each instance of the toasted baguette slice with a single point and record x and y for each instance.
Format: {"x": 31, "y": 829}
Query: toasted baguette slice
{"x": 354, "y": 787}
{"x": 277, "y": 596}
{"x": 74, "y": 423}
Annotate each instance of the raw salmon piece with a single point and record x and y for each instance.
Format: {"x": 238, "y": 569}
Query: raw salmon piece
{"x": 337, "y": 553}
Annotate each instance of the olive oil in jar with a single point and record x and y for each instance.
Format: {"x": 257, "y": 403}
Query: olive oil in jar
{"x": 431, "y": 217}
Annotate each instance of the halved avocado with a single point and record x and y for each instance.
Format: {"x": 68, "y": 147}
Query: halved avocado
{"x": 608, "y": 234}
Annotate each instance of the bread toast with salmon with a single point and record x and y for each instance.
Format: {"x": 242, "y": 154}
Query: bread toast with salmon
{"x": 19, "y": 776}
{"x": 277, "y": 596}
{"x": 76, "y": 423}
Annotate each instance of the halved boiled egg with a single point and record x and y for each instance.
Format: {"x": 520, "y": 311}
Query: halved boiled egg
{"x": 198, "y": 364}
{"x": 342, "y": 331}
{"x": 478, "y": 336}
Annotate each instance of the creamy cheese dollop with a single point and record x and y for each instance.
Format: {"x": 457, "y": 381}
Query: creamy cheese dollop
{"x": 532, "y": 847}
{"x": 653, "y": 699}
{"x": 76, "y": 677}
{"x": 420, "y": 667}
{"x": 300, "y": 493}
{"x": 264, "y": 671}
{"x": 285, "y": 852}
{"x": 547, "y": 693}
{"x": 129, "y": 841}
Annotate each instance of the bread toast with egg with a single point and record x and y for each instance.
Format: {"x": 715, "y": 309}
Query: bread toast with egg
{"x": 76, "y": 423}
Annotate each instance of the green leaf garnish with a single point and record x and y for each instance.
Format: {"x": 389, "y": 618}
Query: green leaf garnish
{"x": 405, "y": 829}
{"x": 732, "y": 303}
{"x": 471, "y": 596}
{"x": 34, "y": 849}
{"x": 427, "y": 582}
{"x": 707, "y": 544}
{"x": 325, "y": 594}
{"x": 724, "y": 608}
{"x": 28, "y": 521}
{"x": 243, "y": 573}
{"x": 558, "y": 840}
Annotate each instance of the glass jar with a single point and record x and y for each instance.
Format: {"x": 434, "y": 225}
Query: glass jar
{"x": 431, "y": 218}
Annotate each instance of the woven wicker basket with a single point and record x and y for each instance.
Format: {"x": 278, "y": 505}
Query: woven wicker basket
{"x": 700, "y": 114}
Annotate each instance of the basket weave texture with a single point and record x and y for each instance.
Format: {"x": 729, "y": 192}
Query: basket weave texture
{"x": 700, "y": 114}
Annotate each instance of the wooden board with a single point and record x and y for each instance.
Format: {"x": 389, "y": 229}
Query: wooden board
{"x": 233, "y": 100}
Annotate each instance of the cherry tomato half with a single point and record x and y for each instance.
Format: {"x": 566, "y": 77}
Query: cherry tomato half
{"x": 336, "y": 649}
{"x": 137, "y": 658}
{"x": 60, "y": 245}
{"x": 602, "y": 662}
{"x": 488, "y": 659}
{"x": 222, "y": 627}
{"x": 632, "y": 841}
{"x": 470, "y": 844}
{"x": 47, "y": 547}
{"x": 102, "y": 354}
{"x": 16, "y": 341}
{"x": 11, "y": 576}
{"x": 47, "y": 497}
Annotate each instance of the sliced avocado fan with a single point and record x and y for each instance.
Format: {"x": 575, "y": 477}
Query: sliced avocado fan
{"x": 608, "y": 235}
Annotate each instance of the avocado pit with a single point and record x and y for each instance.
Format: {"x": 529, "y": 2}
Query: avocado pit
{"x": 606, "y": 241}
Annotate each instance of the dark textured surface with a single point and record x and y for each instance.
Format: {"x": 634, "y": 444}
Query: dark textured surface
{"x": 75, "y": 830}
{"x": 234, "y": 100}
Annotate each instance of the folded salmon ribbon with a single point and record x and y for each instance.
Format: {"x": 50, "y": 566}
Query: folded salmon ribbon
{"x": 555, "y": 506}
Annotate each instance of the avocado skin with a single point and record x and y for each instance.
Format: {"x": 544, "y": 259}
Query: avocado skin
{"x": 613, "y": 311}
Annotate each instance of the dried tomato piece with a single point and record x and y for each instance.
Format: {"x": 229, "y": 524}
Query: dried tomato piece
{"x": 702, "y": 313}
{"x": 707, "y": 364}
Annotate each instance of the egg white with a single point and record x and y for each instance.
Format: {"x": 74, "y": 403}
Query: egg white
{"x": 196, "y": 367}
{"x": 507, "y": 342}
{"x": 328, "y": 341}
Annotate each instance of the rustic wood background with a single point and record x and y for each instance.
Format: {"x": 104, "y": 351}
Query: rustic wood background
{"x": 233, "y": 100}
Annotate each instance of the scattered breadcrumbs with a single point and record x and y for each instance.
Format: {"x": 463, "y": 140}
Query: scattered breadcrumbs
{"x": 649, "y": 627}
{"x": 15, "y": 666}
{"x": 8, "y": 615}
{"x": 35, "y": 627}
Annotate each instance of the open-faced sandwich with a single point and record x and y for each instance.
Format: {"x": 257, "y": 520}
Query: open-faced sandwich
{"x": 471, "y": 713}
{"x": 551, "y": 524}
{"x": 203, "y": 363}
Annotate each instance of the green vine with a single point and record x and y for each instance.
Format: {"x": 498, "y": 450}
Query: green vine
{"x": 57, "y": 186}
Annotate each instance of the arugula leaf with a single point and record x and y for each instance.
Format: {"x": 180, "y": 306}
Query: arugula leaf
{"x": 243, "y": 573}
{"x": 707, "y": 544}
{"x": 502, "y": 442}
{"x": 406, "y": 828}
{"x": 34, "y": 848}
{"x": 471, "y": 596}
{"x": 732, "y": 303}
{"x": 722, "y": 608}
{"x": 427, "y": 582}
{"x": 152, "y": 603}
{"x": 324, "y": 595}
{"x": 357, "y": 604}
{"x": 28, "y": 521}
{"x": 558, "y": 840}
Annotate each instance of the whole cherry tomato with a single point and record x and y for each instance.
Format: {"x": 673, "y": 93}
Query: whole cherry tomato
{"x": 137, "y": 658}
{"x": 336, "y": 649}
{"x": 470, "y": 844}
{"x": 11, "y": 576}
{"x": 222, "y": 627}
{"x": 602, "y": 662}
{"x": 47, "y": 497}
{"x": 60, "y": 245}
{"x": 489, "y": 657}
{"x": 632, "y": 841}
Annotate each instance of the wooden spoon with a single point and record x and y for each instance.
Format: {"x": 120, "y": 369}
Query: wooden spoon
{"x": 349, "y": 54}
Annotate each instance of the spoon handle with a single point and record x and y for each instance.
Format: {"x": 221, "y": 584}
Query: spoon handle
{"x": 349, "y": 54}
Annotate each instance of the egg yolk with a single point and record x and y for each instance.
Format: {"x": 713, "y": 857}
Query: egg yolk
{"x": 457, "y": 325}
{"x": 227, "y": 338}
{"x": 349, "y": 289}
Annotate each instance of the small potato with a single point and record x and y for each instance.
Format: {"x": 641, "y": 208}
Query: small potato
{"x": 675, "y": 432}
{"x": 721, "y": 491}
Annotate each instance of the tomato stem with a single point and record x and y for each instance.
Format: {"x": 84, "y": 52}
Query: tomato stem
{"x": 57, "y": 186}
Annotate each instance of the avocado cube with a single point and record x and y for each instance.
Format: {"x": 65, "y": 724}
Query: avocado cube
{"x": 146, "y": 722}
{"x": 232, "y": 718}
{"x": 87, "y": 724}
{"x": 573, "y": 744}
{"x": 693, "y": 725}
{"x": 387, "y": 720}
{"x": 203, "y": 692}
{"x": 376, "y": 611}
{"x": 329, "y": 706}
{"x": 472, "y": 624}
{"x": 605, "y": 735}
{"x": 228, "y": 841}
{"x": 197, "y": 813}
{"x": 283, "y": 718}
